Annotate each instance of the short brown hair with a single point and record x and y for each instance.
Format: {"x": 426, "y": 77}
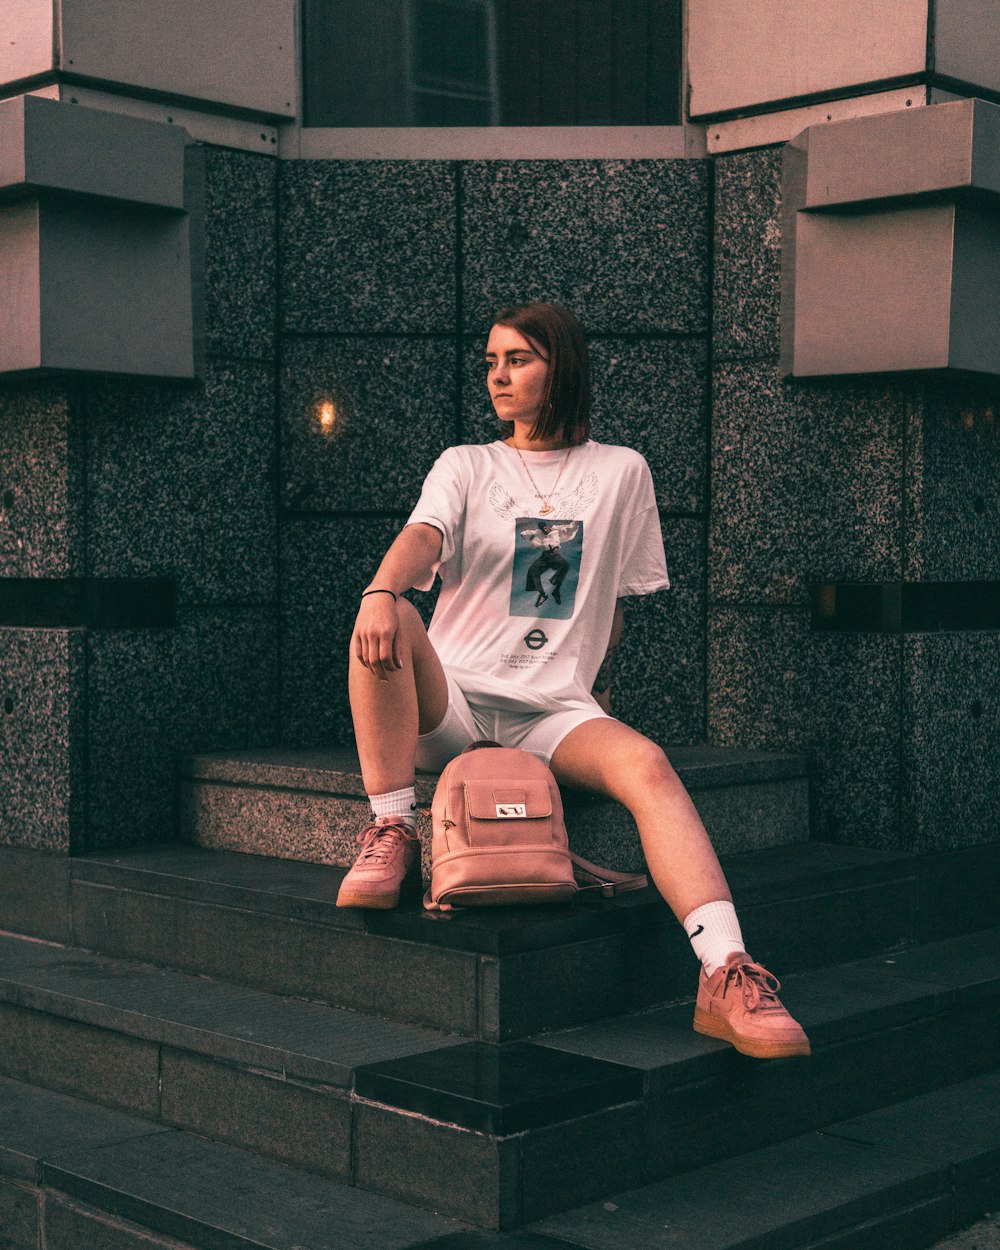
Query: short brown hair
{"x": 565, "y": 410}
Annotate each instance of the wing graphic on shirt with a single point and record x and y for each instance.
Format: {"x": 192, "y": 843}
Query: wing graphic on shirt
{"x": 503, "y": 503}
{"x": 578, "y": 501}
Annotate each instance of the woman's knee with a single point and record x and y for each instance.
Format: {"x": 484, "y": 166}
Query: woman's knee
{"x": 411, "y": 636}
{"x": 648, "y": 768}
{"x": 410, "y": 620}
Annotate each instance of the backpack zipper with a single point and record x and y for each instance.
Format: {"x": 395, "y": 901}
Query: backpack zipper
{"x": 445, "y": 822}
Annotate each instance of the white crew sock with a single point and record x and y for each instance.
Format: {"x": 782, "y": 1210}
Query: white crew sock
{"x": 714, "y": 932}
{"x": 399, "y": 803}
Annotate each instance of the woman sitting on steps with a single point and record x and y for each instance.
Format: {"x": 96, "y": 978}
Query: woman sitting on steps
{"x": 527, "y": 663}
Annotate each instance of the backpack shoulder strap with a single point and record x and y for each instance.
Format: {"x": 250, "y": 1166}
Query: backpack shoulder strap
{"x": 592, "y": 877}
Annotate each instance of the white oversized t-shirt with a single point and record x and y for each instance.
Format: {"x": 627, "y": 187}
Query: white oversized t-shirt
{"x": 527, "y": 600}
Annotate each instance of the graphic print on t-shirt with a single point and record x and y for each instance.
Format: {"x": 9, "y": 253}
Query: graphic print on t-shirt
{"x": 547, "y": 555}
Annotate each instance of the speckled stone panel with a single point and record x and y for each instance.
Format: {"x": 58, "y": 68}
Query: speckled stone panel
{"x": 747, "y": 273}
{"x": 738, "y": 818}
{"x": 659, "y": 681}
{"x": 41, "y": 522}
{"x": 241, "y": 266}
{"x": 210, "y": 684}
{"x": 41, "y": 760}
{"x": 807, "y": 484}
{"x": 394, "y": 412}
{"x": 181, "y": 483}
{"x": 624, "y": 244}
{"x": 327, "y": 563}
{"x": 281, "y": 824}
{"x": 951, "y": 724}
{"x": 650, "y": 394}
{"x": 953, "y": 486}
{"x": 367, "y": 246}
{"x": 775, "y": 684}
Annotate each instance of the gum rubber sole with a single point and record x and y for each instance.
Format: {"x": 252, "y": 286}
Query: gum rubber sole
{"x": 378, "y": 902}
{"x": 757, "y": 1048}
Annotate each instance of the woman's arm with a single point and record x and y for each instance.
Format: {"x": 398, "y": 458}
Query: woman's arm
{"x": 602, "y": 682}
{"x": 415, "y": 551}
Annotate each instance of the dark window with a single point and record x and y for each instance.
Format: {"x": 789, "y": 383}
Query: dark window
{"x": 492, "y": 62}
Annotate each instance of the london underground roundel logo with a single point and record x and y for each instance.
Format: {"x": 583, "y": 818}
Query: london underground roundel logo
{"x": 535, "y": 640}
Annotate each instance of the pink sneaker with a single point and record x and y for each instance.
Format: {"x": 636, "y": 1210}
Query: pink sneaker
{"x": 739, "y": 1003}
{"x": 388, "y": 851}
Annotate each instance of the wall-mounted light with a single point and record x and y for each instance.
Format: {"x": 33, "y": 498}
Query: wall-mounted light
{"x": 327, "y": 416}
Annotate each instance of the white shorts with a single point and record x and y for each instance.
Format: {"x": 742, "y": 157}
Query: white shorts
{"x": 539, "y": 733}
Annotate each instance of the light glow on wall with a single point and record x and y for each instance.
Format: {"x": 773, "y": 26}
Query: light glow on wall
{"x": 327, "y": 417}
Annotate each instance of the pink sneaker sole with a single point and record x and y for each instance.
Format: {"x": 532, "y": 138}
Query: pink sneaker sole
{"x": 756, "y": 1048}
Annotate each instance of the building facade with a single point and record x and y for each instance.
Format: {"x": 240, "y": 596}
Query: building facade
{"x": 249, "y": 254}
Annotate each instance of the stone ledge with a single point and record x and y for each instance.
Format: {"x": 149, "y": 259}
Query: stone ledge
{"x": 309, "y": 804}
{"x": 337, "y": 771}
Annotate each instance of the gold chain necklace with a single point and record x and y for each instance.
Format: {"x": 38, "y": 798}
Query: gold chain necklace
{"x": 546, "y": 507}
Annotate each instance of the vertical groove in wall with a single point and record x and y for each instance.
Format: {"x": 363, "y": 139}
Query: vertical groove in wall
{"x": 279, "y": 519}
{"x": 78, "y": 425}
{"x": 709, "y": 411}
{"x": 913, "y": 406}
{"x": 459, "y": 303}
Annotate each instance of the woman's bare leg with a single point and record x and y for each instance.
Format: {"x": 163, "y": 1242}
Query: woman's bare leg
{"x": 609, "y": 757}
{"x": 736, "y": 999}
{"x": 389, "y": 712}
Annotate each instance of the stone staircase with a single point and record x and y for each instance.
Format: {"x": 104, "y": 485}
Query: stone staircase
{"x": 216, "y": 1057}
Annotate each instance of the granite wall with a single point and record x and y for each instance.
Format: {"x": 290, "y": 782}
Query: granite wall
{"x": 879, "y": 480}
{"x": 368, "y": 286}
{"x": 390, "y": 275}
{"x": 108, "y": 479}
{"x": 346, "y": 309}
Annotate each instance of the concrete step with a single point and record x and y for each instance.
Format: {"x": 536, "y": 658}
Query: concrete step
{"x": 487, "y": 973}
{"x": 267, "y": 1073}
{"x": 73, "y": 1175}
{"x": 77, "y": 1177}
{"x": 895, "y": 1179}
{"x": 496, "y": 1135}
{"x": 309, "y": 805}
{"x": 881, "y": 1031}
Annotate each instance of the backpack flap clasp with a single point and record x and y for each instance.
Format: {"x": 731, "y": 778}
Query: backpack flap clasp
{"x": 518, "y": 812}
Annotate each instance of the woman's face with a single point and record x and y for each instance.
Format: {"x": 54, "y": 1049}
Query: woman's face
{"x": 516, "y": 373}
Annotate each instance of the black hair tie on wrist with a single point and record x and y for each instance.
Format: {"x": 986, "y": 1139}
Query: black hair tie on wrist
{"x": 379, "y": 592}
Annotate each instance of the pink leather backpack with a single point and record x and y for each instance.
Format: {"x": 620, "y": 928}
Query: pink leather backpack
{"x": 500, "y": 839}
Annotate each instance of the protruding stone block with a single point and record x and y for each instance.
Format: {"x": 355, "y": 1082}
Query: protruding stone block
{"x": 949, "y": 147}
{"x": 908, "y": 281}
{"x": 98, "y": 244}
{"x": 47, "y": 146}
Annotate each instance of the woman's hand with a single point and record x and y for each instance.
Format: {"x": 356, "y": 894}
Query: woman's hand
{"x": 376, "y": 634}
{"x": 410, "y": 561}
